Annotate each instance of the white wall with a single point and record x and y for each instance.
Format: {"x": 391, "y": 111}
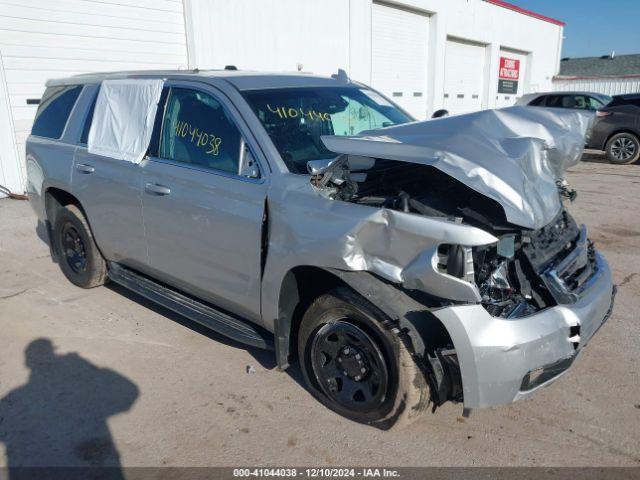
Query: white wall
{"x": 277, "y": 35}
{"x": 608, "y": 86}
{"x": 11, "y": 175}
{"x": 43, "y": 39}
{"x": 497, "y": 27}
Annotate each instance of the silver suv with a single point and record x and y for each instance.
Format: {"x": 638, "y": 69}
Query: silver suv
{"x": 404, "y": 264}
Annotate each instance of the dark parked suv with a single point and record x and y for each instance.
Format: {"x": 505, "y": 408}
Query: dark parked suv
{"x": 617, "y": 129}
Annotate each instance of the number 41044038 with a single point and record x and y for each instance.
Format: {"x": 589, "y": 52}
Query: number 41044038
{"x": 203, "y": 139}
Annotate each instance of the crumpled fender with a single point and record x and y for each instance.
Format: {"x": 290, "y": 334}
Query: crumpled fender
{"x": 307, "y": 229}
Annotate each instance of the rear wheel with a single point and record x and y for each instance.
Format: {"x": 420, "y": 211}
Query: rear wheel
{"x": 355, "y": 365}
{"x": 78, "y": 256}
{"x": 623, "y": 148}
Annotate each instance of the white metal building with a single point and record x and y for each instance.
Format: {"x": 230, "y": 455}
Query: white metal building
{"x": 462, "y": 55}
{"x": 609, "y": 74}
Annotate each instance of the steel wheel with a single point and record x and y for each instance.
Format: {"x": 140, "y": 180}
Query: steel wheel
{"x": 73, "y": 249}
{"x": 623, "y": 149}
{"x": 356, "y": 365}
{"x": 349, "y": 366}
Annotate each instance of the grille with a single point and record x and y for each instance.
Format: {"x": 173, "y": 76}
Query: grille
{"x": 546, "y": 244}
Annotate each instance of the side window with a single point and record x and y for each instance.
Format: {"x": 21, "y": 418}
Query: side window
{"x": 595, "y": 104}
{"x": 54, "y": 110}
{"x": 553, "y": 101}
{"x": 569, "y": 101}
{"x": 87, "y": 122}
{"x": 538, "y": 102}
{"x": 582, "y": 102}
{"x": 198, "y": 131}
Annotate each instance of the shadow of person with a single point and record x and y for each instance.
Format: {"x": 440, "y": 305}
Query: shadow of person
{"x": 59, "y": 417}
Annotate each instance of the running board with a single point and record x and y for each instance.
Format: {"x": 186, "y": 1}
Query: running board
{"x": 204, "y": 314}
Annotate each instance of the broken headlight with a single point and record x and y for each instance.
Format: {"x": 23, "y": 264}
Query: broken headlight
{"x": 499, "y": 278}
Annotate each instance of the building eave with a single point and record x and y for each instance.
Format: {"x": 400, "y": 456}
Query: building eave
{"x": 524, "y": 11}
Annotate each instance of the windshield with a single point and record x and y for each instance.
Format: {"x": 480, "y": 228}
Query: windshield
{"x": 295, "y": 118}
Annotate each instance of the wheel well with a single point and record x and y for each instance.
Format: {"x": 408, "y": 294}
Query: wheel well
{"x": 56, "y": 198}
{"x": 424, "y": 335}
{"x": 300, "y": 287}
{"x": 630, "y": 132}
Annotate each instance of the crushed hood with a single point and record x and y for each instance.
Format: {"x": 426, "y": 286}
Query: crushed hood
{"x": 514, "y": 155}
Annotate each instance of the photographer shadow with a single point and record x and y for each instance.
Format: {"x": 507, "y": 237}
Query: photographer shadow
{"x": 59, "y": 417}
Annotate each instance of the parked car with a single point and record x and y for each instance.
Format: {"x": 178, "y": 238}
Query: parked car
{"x": 617, "y": 129}
{"x": 249, "y": 203}
{"x": 573, "y": 100}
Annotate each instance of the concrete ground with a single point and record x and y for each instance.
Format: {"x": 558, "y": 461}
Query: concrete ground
{"x": 133, "y": 384}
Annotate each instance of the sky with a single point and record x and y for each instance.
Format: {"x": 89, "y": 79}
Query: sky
{"x": 593, "y": 27}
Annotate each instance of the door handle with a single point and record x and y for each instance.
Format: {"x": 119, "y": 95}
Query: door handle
{"x": 156, "y": 189}
{"x": 84, "y": 168}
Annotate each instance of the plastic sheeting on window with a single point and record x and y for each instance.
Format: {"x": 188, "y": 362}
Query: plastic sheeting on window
{"x": 123, "y": 118}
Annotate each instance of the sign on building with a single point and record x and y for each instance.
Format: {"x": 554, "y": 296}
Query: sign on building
{"x": 508, "y": 75}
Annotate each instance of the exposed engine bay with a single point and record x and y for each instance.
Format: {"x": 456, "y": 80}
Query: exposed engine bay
{"x": 511, "y": 275}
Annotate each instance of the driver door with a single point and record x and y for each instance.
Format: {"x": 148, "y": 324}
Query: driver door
{"x": 202, "y": 211}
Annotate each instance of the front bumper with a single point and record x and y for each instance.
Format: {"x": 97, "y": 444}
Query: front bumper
{"x": 503, "y": 360}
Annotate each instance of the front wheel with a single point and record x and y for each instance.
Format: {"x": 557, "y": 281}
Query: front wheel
{"x": 355, "y": 365}
{"x": 623, "y": 148}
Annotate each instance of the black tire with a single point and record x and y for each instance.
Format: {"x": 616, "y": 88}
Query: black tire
{"x": 623, "y": 148}
{"x": 370, "y": 334}
{"x": 78, "y": 256}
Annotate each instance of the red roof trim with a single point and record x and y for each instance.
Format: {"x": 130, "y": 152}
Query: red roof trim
{"x": 523, "y": 11}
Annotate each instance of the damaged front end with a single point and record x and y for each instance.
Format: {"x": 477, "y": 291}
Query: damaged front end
{"x": 515, "y": 275}
{"x": 499, "y": 240}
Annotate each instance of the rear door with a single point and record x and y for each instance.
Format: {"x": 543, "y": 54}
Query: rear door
{"x": 110, "y": 193}
{"x": 203, "y": 218}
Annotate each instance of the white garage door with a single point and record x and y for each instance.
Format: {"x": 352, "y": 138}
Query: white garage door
{"x": 464, "y": 76}
{"x": 516, "y": 63}
{"x": 41, "y": 39}
{"x": 399, "y": 56}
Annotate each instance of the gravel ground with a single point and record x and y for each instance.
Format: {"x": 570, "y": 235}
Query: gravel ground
{"x": 132, "y": 384}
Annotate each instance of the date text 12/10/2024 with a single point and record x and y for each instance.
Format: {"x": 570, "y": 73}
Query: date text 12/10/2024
{"x": 316, "y": 472}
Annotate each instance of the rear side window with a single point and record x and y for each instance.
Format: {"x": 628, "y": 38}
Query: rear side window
{"x": 54, "y": 110}
{"x": 198, "y": 131}
{"x": 617, "y": 101}
{"x": 554, "y": 101}
{"x": 569, "y": 101}
{"x": 536, "y": 102}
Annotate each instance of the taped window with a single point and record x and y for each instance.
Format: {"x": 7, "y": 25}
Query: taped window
{"x": 123, "y": 118}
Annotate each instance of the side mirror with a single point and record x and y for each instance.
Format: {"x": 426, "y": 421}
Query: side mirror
{"x": 440, "y": 113}
{"x": 319, "y": 167}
